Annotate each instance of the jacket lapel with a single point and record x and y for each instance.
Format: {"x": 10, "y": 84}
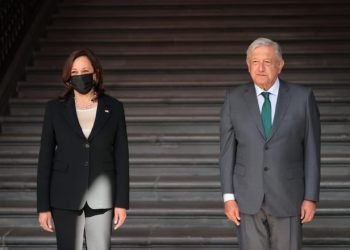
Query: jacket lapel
{"x": 282, "y": 104}
{"x": 252, "y": 103}
{"x": 72, "y": 117}
{"x": 102, "y": 115}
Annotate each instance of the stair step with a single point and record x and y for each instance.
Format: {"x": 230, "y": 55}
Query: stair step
{"x": 171, "y": 208}
{"x": 234, "y": 62}
{"x": 327, "y": 107}
{"x": 52, "y": 48}
{"x": 154, "y": 138}
{"x": 41, "y": 102}
{"x": 168, "y": 148}
{"x": 338, "y": 179}
{"x": 173, "y": 159}
{"x": 166, "y": 195}
{"x": 169, "y": 91}
{"x": 194, "y": 74}
{"x": 184, "y": 22}
{"x": 149, "y": 159}
{"x": 139, "y": 119}
{"x": 137, "y": 182}
{"x": 188, "y": 9}
{"x": 186, "y": 234}
{"x": 179, "y": 148}
{"x": 146, "y": 169}
{"x": 182, "y": 168}
{"x": 151, "y": 62}
{"x": 161, "y": 125}
{"x": 168, "y": 182}
{"x": 199, "y": 35}
{"x": 319, "y": 85}
{"x": 120, "y": 92}
{"x": 26, "y": 215}
{"x": 175, "y": 3}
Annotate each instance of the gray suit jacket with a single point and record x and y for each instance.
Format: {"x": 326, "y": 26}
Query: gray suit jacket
{"x": 285, "y": 167}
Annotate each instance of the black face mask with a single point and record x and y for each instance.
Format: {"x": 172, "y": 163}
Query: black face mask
{"x": 82, "y": 83}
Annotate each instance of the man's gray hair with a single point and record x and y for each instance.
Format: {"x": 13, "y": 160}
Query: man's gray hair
{"x": 262, "y": 41}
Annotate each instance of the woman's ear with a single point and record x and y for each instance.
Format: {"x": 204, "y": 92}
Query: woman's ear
{"x": 67, "y": 83}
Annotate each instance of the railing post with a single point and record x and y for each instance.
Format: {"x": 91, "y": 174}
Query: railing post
{"x": 22, "y": 24}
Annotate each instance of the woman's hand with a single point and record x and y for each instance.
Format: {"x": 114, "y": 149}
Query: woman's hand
{"x": 45, "y": 221}
{"x": 119, "y": 217}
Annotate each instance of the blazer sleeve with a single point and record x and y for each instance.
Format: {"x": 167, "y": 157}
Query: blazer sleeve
{"x": 121, "y": 154}
{"x": 46, "y": 154}
{"x": 227, "y": 147}
{"x": 312, "y": 149}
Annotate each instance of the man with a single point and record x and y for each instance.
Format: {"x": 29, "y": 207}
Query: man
{"x": 269, "y": 154}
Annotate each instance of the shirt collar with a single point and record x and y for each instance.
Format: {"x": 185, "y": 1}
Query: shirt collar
{"x": 273, "y": 90}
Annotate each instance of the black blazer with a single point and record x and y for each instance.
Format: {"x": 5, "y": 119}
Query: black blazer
{"x": 73, "y": 170}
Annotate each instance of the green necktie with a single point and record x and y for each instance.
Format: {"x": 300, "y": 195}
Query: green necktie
{"x": 266, "y": 113}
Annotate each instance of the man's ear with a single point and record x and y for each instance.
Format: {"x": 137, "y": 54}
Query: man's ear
{"x": 248, "y": 65}
{"x": 281, "y": 65}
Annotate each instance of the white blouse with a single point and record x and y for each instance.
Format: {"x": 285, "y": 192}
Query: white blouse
{"x": 86, "y": 118}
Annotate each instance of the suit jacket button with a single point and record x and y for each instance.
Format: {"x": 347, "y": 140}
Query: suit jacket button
{"x": 87, "y": 145}
{"x": 266, "y": 147}
{"x": 266, "y": 168}
{"x": 86, "y": 164}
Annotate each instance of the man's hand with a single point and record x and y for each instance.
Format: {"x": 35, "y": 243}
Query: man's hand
{"x": 308, "y": 210}
{"x": 232, "y": 211}
{"x": 119, "y": 217}
{"x": 45, "y": 221}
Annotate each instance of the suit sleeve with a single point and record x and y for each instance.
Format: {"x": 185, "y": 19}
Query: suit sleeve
{"x": 46, "y": 155}
{"x": 227, "y": 148}
{"x": 121, "y": 153}
{"x": 312, "y": 150}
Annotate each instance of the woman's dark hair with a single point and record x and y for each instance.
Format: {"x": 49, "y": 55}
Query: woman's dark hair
{"x": 67, "y": 68}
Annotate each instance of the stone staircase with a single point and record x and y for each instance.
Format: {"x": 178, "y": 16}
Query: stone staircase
{"x": 170, "y": 62}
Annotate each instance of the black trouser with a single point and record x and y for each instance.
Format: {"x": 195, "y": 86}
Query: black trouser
{"x": 72, "y": 225}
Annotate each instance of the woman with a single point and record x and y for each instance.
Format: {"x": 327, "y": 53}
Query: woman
{"x": 83, "y": 169}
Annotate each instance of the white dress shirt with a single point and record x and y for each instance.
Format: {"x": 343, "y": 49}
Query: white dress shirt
{"x": 273, "y": 99}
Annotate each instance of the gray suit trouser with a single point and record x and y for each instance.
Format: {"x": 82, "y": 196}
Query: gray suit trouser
{"x": 71, "y": 226}
{"x": 262, "y": 231}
